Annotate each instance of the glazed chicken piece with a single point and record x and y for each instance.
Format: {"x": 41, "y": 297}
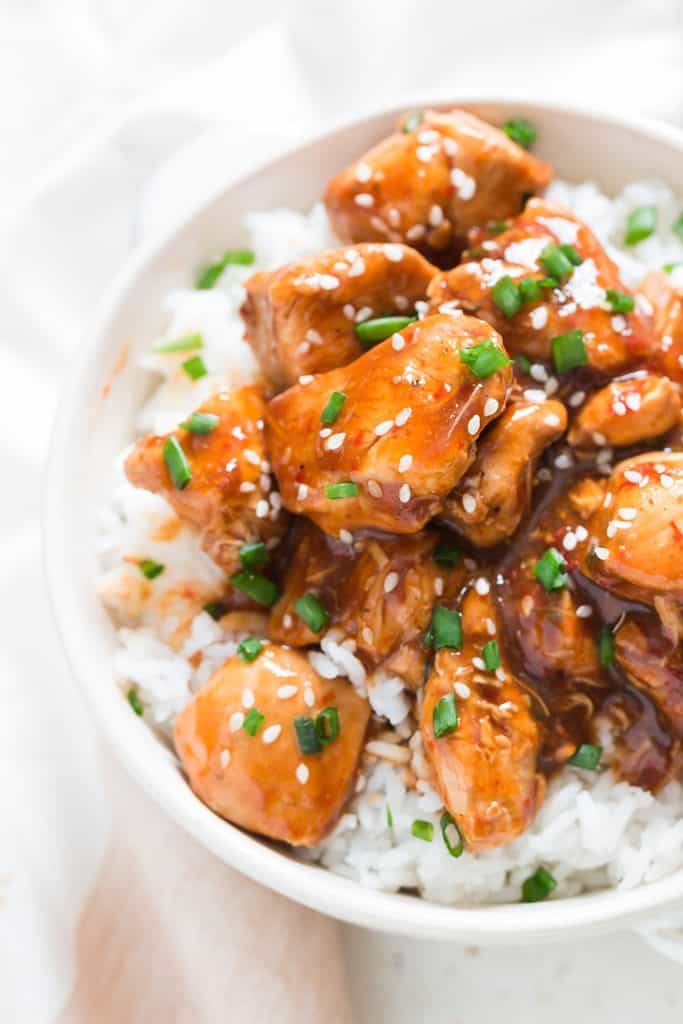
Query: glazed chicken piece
{"x": 637, "y": 534}
{"x": 665, "y": 301}
{"x": 654, "y": 665}
{"x": 378, "y": 592}
{"x": 612, "y": 341}
{"x": 406, "y": 433}
{"x": 229, "y": 497}
{"x": 627, "y": 412}
{"x": 499, "y": 482}
{"x": 301, "y": 318}
{"x": 486, "y": 768}
{"x": 263, "y": 782}
{"x": 427, "y": 187}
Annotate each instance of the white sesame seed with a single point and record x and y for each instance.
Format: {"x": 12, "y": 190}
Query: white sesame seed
{"x": 599, "y": 438}
{"x": 551, "y": 386}
{"x": 236, "y": 721}
{"x": 633, "y": 402}
{"x": 287, "y": 620}
{"x": 261, "y": 509}
{"x": 404, "y": 463}
{"x": 462, "y": 690}
{"x": 563, "y": 461}
{"x": 627, "y": 513}
{"x": 538, "y": 317}
{"x": 633, "y": 476}
{"x": 435, "y": 216}
{"x": 490, "y": 627}
{"x": 473, "y": 425}
{"x": 469, "y": 503}
{"x": 306, "y": 378}
{"x": 424, "y": 153}
{"x": 224, "y": 758}
{"x": 384, "y": 427}
{"x": 363, "y": 171}
{"x": 438, "y": 586}
{"x": 538, "y": 372}
{"x": 364, "y": 199}
{"x": 309, "y": 696}
{"x": 302, "y": 773}
{"x": 415, "y": 233}
{"x": 238, "y": 433}
{"x": 619, "y": 408}
{"x": 465, "y": 186}
{"x": 398, "y": 343}
{"x": 482, "y": 586}
{"x": 367, "y": 635}
{"x": 666, "y": 481}
{"x": 609, "y": 497}
{"x": 581, "y": 533}
{"x": 394, "y": 216}
{"x": 569, "y": 541}
{"x": 390, "y": 582}
{"x": 349, "y": 311}
{"x": 229, "y": 466}
{"x": 403, "y": 416}
{"x": 491, "y": 407}
{"x": 394, "y": 253}
{"x": 357, "y": 268}
{"x": 535, "y": 395}
{"x": 302, "y": 492}
{"x": 270, "y": 734}
{"x": 251, "y": 456}
{"x": 551, "y": 420}
{"x": 479, "y": 663}
{"x": 577, "y": 399}
{"x": 346, "y": 537}
{"x": 601, "y": 553}
{"x": 404, "y": 494}
{"x": 246, "y": 487}
{"x": 584, "y": 611}
{"x": 247, "y": 698}
{"x": 500, "y": 675}
{"x": 335, "y": 442}
{"x": 374, "y": 489}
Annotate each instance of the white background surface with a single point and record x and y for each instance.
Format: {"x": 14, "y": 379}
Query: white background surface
{"x": 112, "y": 115}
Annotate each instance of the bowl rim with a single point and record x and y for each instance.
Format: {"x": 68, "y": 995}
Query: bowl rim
{"x": 305, "y": 883}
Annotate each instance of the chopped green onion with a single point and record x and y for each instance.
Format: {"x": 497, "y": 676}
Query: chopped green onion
{"x": 149, "y": 569}
{"x": 327, "y": 725}
{"x": 201, "y": 423}
{"x": 253, "y": 721}
{"x": 249, "y": 648}
{"x": 606, "y": 647}
{"x": 586, "y": 756}
{"x": 184, "y": 344}
{"x": 484, "y": 358}
{"x": 306, "y": 735}
{"x": 569, "y": 351}
{"x": 538, "y": 886}
{"x": 529, "y": 290}
{"x": 452, "y": 836}
{"x": 574, "y": 257}
{"x": 491, "y": 655}
{"x": 312, "y": 612}
{"x": 135, "y": 701}
{"x": 369, "y": 332}
{"x": 195, "y": 368}
{"x": 497, "y": 227}
{"x": 216, "y": 609}
{"x": 253, "y": 556}
{"x": 390, "y": 817}
{"x": 521, "y": 131}
{"x": 423, "y": 830}
{"x": 207, "y": 277}
{"x": 346, "y": 489}
{"x": 555, "y": 262}
{"x": 523, "y": 363}
{"x": 259, "y": 588}
{"x": 668, "y": 268}
{"x": 677, "y": 226}
{"x": 335, "y": 404}
{"x": 445, "y": 718}
{"x": 640, "y": 224}
{"x": 445, "y": 629}
{"x": 550, "y": 570}
{"x": 176, "y": 463}
{"x": 620, "y": 303}
{"x": 412, "y": 121}
{"x": 447, "y": 553}
{"x": 505, "y": 294}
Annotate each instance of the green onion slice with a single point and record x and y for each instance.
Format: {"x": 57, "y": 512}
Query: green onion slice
{"x": 569, "y": 351}
{"x": 253, "y": 721}
{"x": 216, "y": 609}
{"x": 447, "y": 554}
{"x": 195, "y": 368}
{"x": 538, "y": 886}
{"x": 452, "y": 836}
{"x": 669, "y": 268}
{"x": 176, "y": 463}
{"x": 677, "y": 226}
{"x": 423, "y": 830}
{"x": 586, "y": 756}
{"x": 253, "y": 556}
{"x": 505, "y": 294}
{"x": 135, "y": 702}
{"x": 207, "y": 276}
{"x": 412, "y": 121}
{"x": 390, "y": 817}
{"x": 529, "y": 290}
{"x": 574, "y": 257}
{"x": 445, "y": 718}
{"x": 335, "y": 404}
{"x": 556, "y": 262}
{"x": 445, "y": 629}
{"x": 370, "y": 332}
{"x": 523, "y": 363}
{"x": 550, "y": 570}
{"x": 150, "y": 569}
{"x": 521, "y": 131}
{"x": 327, "y": 725}
{"x": 620, "y": 303}
{"x": 345, "y": 489}
{"x": 484, "y": 358}
{"x": 306, "y": 735}
{"x": 249, "y": 648}
{"x": 185, "y": 344}
{"x": 201, "y": 423}
{"x": 491, "y": 655}
{"x": 606, "y": 647}
{"x": 259, "y": 588}
{"x": 312, "y": 612}
{"x": 640, "y": 224}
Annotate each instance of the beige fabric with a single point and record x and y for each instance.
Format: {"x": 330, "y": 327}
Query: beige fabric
{"x": 170, "y": 934}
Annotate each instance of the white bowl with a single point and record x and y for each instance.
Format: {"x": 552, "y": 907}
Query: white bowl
{"x": 95, "y": 421}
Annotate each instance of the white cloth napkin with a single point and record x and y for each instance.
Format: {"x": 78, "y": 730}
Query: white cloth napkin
{"x": 114, "y": 116}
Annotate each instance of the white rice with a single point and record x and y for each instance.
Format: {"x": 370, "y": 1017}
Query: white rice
{"x": 591, "y": 832}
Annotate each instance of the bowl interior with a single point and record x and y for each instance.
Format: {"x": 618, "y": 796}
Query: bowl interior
{"x": 95, "y": 422}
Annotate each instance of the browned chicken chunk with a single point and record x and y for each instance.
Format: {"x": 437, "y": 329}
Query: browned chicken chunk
{"x": 427, "y": 187}
{"x": 627, "y": 412}
{"x": 529, "y": 320}
{"x": 239, "y": 745}
{"x": 379, "y": 592}
{"x": 489, "y": 503}
{"x": 637, "y": 534}
{"x": 228, "y": 497}
{"x": 486, "y": 767}
{"x": 301, "y": 318}
{"x": 665, "y": 301}
{"x": 406, "y": 432}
